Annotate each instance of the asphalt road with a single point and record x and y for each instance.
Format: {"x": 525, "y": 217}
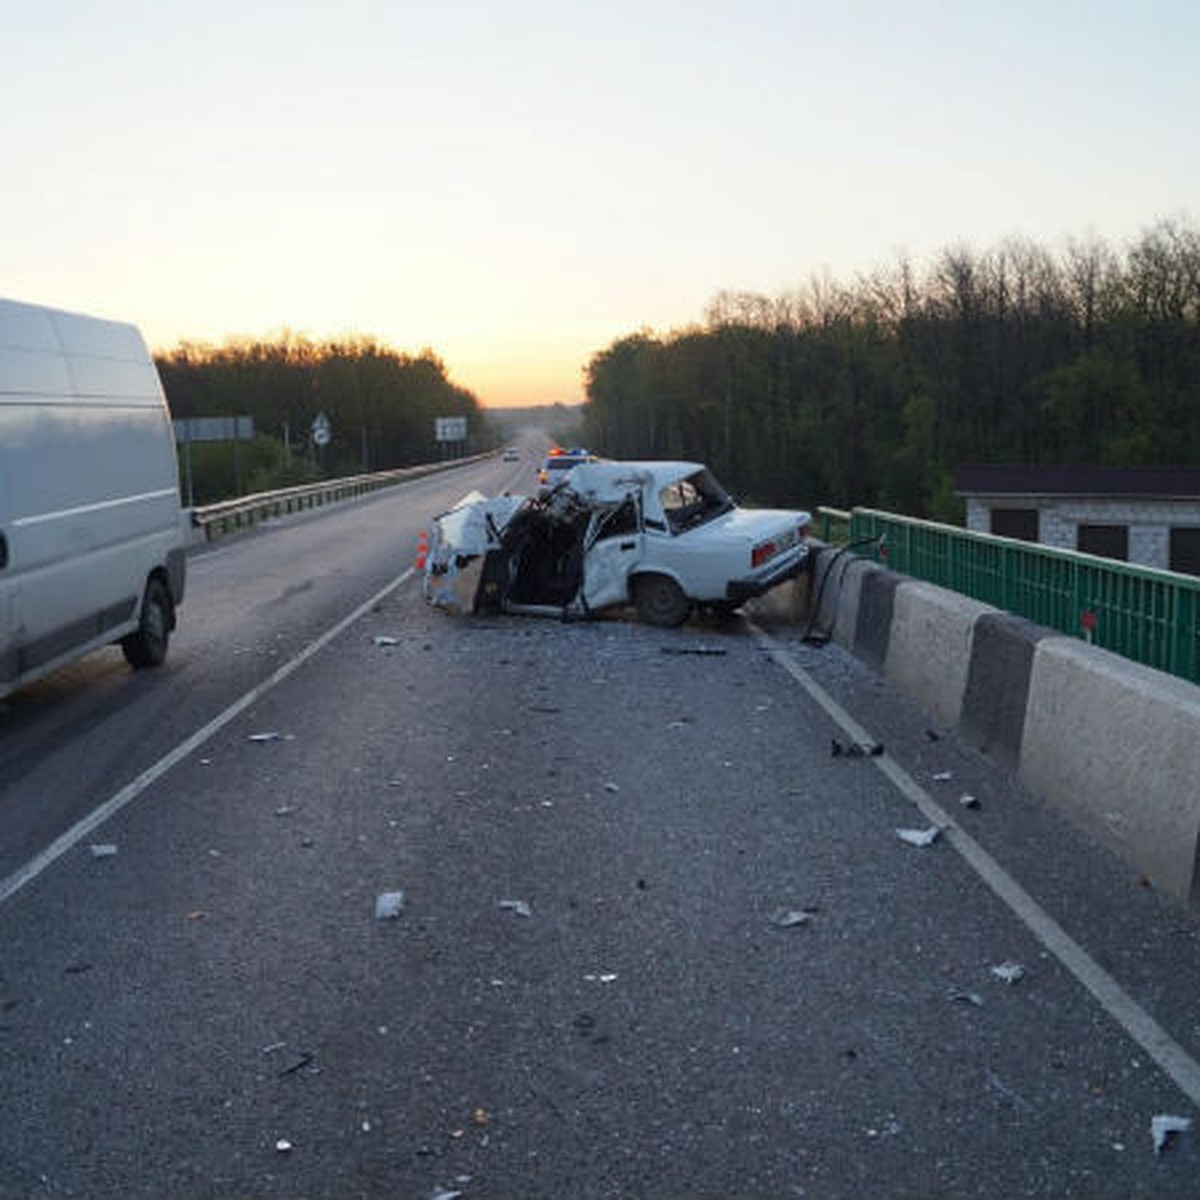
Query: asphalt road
{"x": 656, "y": 940}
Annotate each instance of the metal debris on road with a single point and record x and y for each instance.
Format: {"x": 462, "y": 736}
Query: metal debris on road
{"x": 612, "y": 787}
{"x": 283, "y": 1146}
{"x": 520, "y": 907}
{"x": 968, "y": 801}
{"x": 272, "y": 735}
{"x": 286, "y": 810}
{"x": 388, "y": 905}
{"x": 103, "y": 850}
{"x": 919, "y": 837}
{"x": 1009, "y": 972}
{"x": 1162, "y": 1126}
{"x": 943, "y": 776}
{"x": 386, "y": 640}
{"x": 608, "y": 977}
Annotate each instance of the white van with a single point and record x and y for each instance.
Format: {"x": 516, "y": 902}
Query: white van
{"x": 92, "y": 534}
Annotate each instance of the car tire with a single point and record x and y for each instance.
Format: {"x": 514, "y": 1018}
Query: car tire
{"x": 147, "y": 645}
{"x": 660, "y": 601}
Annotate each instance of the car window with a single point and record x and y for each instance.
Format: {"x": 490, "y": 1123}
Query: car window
{"x": 693, "y": 501}
{"x": 619, "y": 522}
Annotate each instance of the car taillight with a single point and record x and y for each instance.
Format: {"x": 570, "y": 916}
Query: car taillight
{"x": 762, "y": 553}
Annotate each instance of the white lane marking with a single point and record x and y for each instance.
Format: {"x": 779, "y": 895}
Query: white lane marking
{"x": 113, "y": 805}
{"x": 1113, "y": 998}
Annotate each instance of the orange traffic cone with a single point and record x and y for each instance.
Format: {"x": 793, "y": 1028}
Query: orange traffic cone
{"x": 422, "y": 549}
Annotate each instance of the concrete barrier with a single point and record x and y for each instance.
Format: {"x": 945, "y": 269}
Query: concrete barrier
{"x": 1113, "y": 744}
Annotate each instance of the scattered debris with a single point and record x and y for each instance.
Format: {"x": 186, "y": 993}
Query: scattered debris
{"x": 547, "y": 709}
{"x": 612, "y": 787}
{"x": 967, "y": 998}
{"x": 520, "y": 907}
{"x": 305, "y": 1059}
{"x": 480, "y": 1118}
{"x": 103, "y": 850}
{"x": 933, "y": 735}
{"x": 943, "y": 776}
{"x": 286, "y": 810}
{"x": 386, "y": 640}
{"x": 856, "y": 749}
{"x": 283, "y": 1146}
{"x": 608, "y": 977}
{"x": 272, "y": 736}
{"x": 441, "y": 1193}
{"x": 388, "y": 905}
{"x": 788, "y": 918}
{"x": 704, "y": 651}
{"x": 968, "y": 801}
{"x": 1009, "y": 972}
{"x": 919, "y": 837}
{"x": 1162, "y": 1126}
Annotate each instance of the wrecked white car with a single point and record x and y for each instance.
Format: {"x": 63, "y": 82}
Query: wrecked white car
{"x": 663, "y": 536}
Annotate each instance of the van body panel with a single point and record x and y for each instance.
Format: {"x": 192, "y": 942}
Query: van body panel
{"x": 89, "y": 487}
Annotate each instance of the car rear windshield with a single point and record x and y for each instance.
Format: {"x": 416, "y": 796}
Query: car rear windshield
{"x": 693, "y": 501}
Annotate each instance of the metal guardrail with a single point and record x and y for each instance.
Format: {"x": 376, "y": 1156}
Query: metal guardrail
{"x": 1147, "y": 615}
{"x": 227, "y": 516}
{"x": 833, "y": 525}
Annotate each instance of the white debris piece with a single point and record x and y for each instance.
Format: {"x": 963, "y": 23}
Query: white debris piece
{"x": 384, "y": 639}
{"x": 440, "y": 1193}
{"x": 103, "y": 850}
{"x": 283, "y": 1146}
{"x": 943, "y": 776}
{"x": 919, "y": 837}
{"x": 607, "y": 977}
{"x": 787, "y": 918}
{"x": 272, "y": 736}
{"x": 388, "y": 905}
{"x": 612, "y": 787}
{"x": 1162, "y": 1126}
{"x": 520, "y": 907}
{"x": 968, "y": 801}
{"x": 1009, "y": 972}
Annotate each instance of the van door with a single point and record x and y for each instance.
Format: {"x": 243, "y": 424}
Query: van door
{"x": 612, "y": 549}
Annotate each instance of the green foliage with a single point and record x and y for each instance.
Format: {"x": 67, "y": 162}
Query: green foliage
{"x": 873, "y": 394}
{"x": 381, "y": 406}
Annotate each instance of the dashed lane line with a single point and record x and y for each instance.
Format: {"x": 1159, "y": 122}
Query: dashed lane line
{"x": 1143, "y": 1028}
{"x": 132, "y": 790}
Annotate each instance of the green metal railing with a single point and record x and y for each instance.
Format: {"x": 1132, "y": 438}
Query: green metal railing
{"x": 1150, "y": 616}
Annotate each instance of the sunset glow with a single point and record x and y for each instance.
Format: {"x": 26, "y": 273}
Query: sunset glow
{"x": 516, "y": 186}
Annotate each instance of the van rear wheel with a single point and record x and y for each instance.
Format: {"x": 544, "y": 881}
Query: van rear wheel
{"x": 147, "y": 645}
{"x": 660, "y": 601}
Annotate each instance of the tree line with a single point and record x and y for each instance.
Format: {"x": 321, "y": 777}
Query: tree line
{"x": 381, "y": 406}
{"x": 873, "y": 392}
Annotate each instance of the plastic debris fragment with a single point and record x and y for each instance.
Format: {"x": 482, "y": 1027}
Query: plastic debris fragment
{"x": 1009, "y": 972}
{"x": 855, "y": 749}
{"x": 272, "y": 736}
{"x": 283, "y": 1146}
{"x": 386, "y": 640}
{"x": 968, "y": 801}
{"x": 788, "y": 918}
{"x": 967, "y": 998}
{"x": 1162, "y": 1126}
{"x": 608, "y": 977}
{"x": 919, "y": 837}
{"x": 612, "y": 787}
{"x": 943, "y": 776}
{"x": 103, "y": 850}
{"x": 440, "y": 1193}
{"x": 286, "y": 810}
{"x": 388, "y": 905}
{"x": 520, "y": 907}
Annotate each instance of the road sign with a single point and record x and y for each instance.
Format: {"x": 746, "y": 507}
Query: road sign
{"x": 450, "y": 429}
{"x": 322, "y": 431}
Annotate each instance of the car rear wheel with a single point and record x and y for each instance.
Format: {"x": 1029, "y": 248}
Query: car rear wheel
{"x": 147, "y": 645}
{"x": 660, "y": 601}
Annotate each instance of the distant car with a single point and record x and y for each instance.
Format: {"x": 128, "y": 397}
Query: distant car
{"x": 558, "y": 463}
{"x": 511, "y": 455}
{"x": 663, "y": 536}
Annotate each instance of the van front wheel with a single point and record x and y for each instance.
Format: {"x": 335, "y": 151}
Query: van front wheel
{"x": 147, "y": 645}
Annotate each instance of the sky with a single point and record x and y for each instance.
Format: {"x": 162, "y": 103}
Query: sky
{"x": 516, "y": 185}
